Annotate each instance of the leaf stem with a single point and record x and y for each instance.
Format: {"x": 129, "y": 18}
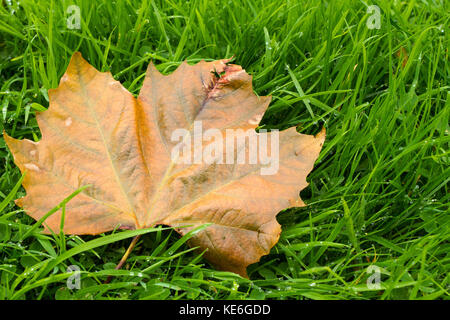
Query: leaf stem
{"x": 125, "y": 256}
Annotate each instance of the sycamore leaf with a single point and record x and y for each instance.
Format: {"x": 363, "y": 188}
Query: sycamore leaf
{"x": 96, "y": 133}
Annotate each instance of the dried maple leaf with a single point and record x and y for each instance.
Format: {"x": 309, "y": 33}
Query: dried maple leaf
{"x": 96, "y": 133}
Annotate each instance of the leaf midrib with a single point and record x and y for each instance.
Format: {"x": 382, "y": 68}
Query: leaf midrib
{"x": 114, "y": 169}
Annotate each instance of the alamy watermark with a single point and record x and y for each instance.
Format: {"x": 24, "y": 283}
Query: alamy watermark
{"x": 374, "y": 280}
{"x": 73, "y": 21}
{"x": 74, "y": 281}
{"x": 374, "y": 20}
{"x": 236, "y": 146}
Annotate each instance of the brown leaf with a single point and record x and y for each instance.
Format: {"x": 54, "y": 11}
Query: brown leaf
{"x": 95, "y": 132}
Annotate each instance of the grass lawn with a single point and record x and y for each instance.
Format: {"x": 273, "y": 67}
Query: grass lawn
{"x": 378, "y": 196}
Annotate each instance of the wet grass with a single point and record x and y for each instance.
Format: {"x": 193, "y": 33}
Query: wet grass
{"x": 378, "y": 196}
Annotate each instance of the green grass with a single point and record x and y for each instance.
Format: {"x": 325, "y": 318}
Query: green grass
{"x": 378, "y": 194}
